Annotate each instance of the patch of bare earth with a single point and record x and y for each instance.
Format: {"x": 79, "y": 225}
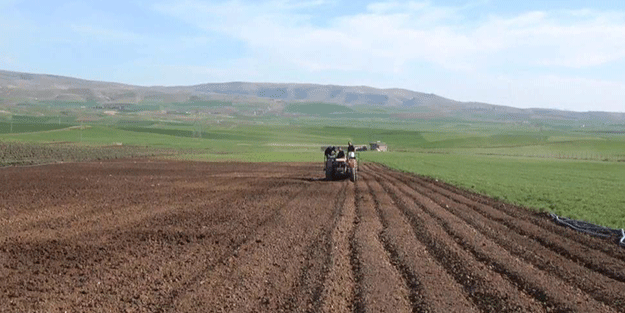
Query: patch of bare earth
{"x": 167, "y": 236}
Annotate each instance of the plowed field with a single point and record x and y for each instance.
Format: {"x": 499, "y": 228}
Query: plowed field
{"x": 165, "y": 236}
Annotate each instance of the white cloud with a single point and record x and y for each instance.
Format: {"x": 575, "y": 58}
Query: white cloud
{"x": 393, "y": 37}
{"x": 398, "y": 32}
{"x": 570, "y": 39}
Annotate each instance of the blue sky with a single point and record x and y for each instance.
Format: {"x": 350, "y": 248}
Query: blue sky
{"x": 551, "y": 54}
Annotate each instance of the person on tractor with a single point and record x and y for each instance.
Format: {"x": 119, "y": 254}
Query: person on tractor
{"x": 329, "y": 151}
{"x": 351, "y": 150}
{"x": 341, "y": 154}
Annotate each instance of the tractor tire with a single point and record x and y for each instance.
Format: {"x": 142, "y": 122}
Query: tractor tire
{"x": 329, "y": 173}
{"x": 353, "y": 175}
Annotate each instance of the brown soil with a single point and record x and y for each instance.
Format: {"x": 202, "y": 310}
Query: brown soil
{"x": 167, "y": 236}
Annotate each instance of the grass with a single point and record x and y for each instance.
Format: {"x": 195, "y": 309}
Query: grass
{"x": 8, "y": 128}
{"x": 585, "y": 190}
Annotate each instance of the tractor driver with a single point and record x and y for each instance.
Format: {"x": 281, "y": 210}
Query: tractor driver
{"x": 351, "y": 150}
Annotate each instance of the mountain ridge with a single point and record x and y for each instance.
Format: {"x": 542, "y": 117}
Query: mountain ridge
{"x": 18, "y": 87}
{"x": 32, "y": 85}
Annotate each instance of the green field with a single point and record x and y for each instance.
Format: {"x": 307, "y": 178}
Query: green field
{"x": 586, "y": 190}
{"x": 7, "y": 128}
{"x": 572, "y": 171}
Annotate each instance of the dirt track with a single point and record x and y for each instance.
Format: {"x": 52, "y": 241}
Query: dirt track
{"x": 160, "y": 236}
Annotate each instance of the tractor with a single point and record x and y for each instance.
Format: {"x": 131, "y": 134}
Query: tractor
{"x": 341, "y": 167}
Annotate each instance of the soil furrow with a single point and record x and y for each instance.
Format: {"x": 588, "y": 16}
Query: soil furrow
{"x": 432, "y": 288}
{"x": 61, "y": 199}
{"x": 380, "y": 287}
{"x": 542, "y": 285}
{"x": 358, "y": 305}
{"x": 177, "y": 238}
{"x": 338, "y": 287}
{"x": 104, "y": 266}
{"x": 242, "y": 235}
{"x": 590, "y": 258}
{"x": 540, "y": 220}
{"x": 490, "y": 291}
{"x": 306, "y": 293}
{"x": 159, "y": 236}
{"x": 601, "y": 288}
{"x": 260, "y": 275}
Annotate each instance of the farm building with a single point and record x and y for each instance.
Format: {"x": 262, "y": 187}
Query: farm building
{"x": 378, "y": 146}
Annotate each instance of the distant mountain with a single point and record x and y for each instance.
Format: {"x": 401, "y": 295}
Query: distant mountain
{"x": 346, "y": 95}
{"x": 42, "y": 87}
{"x": 18, "y": 87}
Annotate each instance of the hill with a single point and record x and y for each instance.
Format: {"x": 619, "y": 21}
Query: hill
{"x": 50, "y": 87}
{"x": 16, "y": 88}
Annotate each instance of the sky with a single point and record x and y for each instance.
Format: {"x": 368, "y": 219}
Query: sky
{"x": 558, "y": 54}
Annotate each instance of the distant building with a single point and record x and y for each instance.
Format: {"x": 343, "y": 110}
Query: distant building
{"x": 378, "y": 146}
